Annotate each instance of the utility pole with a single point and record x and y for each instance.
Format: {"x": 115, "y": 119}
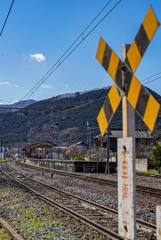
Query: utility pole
{"x": 87, "y": 131}
{"x": 70, "y": 139}
{"x": 101, "y": 148}
{"x": 89, "y": 143}
{"x": 97, "y": 158}
{"x": 52, "y": 133}
{"x": 1, "y": 148}
{"x": 58, "y": 124}
{"x": 4, "y": 151}
{"x": 58, "y": 140}
{"x": 108, "y": 149}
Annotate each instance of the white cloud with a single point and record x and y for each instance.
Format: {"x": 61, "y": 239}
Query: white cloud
{"x": 37, "y": 57}
{"x": 5, "y": 83}
{"x": 47, "y": 86}
{"x": 8, "y": 84}
{"x": 66, "y": 86}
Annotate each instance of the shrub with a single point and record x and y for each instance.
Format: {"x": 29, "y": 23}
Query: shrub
{"x": 157, "y": 157}
{"x": 79, "y": 157}
{"x": 114, "y": 154}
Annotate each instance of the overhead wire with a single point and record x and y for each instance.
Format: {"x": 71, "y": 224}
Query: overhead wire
{"x": 51, "y": 71}
{"x": 75, "y": 109}
{"x": 51, "y": 109}
{"x": 75, "y": 47}
{"x": 152, "y": 80}
{"x": 6, "y": 18}
{"x": 150, "y": 76}
{"x": 58, "y": 61}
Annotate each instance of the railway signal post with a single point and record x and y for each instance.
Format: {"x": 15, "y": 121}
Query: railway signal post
{"x": 134, "y": 95}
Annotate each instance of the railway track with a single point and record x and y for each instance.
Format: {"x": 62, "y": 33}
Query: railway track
{"x": 155, "y": 192}
{"x": 11, "y": 233}
{"x": 87, "y": 211}
{"x": 158, "y": 176}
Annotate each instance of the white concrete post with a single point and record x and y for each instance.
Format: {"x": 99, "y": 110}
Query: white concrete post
{"x": 126, "y": 189}
{"x": 158, "y": 222}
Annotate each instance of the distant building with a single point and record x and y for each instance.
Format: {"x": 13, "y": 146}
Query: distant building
{"x": 142, "y": 137}
{"x": 79, "y": 148}
{"x": 42, "y": 149}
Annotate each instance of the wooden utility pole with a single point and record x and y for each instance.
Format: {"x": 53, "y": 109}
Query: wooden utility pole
{"x": 1, "y": 148}
{"x": 101, "y": 148}
{"x": 89, "y": 143}
{"x": 108, "y": 149}
{"x": 128, "y": 113}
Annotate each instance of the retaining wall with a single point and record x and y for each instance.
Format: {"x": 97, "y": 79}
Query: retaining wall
{"x": 82, "y": 166}
{"x": 71, "y": 165}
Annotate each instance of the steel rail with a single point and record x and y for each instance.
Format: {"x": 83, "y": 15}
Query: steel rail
{"x": 92, "y": 224}
{"x": 141, "y": 189}
{"x": 139, "y": 221}
{"x": 71, "y": 195}
{"x": 75, "y": 175}
{"x": 148, "y": 175}
{"x": 10, "y": 230}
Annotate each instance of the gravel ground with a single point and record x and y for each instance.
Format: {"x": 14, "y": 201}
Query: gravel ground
{"x": 4, "y": 235}
{"x": 33, "y": 219}
{"x": 140, "y": 180}
{"x": 106, "y": 195}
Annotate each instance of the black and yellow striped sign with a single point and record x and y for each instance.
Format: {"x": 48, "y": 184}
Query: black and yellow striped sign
{"x": 142, "y": 39}
{"x": 109, "y": 108}
{"x": 138, "y": 96}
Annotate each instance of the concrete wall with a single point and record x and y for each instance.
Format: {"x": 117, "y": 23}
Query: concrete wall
{"x": 77, "y": 166}
{"x": 71, "y": 165}
{"x": 141, "y": 164}
{"x": 54, "y": 164}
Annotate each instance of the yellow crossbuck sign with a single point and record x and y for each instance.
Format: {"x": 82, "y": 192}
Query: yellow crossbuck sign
{"x": 123, "y": 75}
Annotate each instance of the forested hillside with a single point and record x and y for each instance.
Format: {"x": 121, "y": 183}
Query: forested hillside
{"x": 71, "y": 112}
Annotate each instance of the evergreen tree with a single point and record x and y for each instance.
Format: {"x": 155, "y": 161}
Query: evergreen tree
{"x": 157, "y": 156}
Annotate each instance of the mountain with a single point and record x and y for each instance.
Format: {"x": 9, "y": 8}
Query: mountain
{"x": 71, "y": 111}
{"x": 20, "y": 104}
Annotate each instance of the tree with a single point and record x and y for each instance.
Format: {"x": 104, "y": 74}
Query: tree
{"x": 157, "y": 156}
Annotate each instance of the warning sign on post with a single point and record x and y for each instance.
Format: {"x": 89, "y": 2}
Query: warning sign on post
{"x": 126, "y": 188}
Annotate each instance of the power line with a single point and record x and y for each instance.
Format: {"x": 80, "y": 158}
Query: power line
{"x": 152, "y": 80}
{"x": 74, "y": 109}
{"x": 84, "y": 104}
{"x": 22, "y": 132}
{"x": 50, "y": 72}
{"x": 58, "y": 61}
{"x": 51, "y": 109}
{"x": 150, "y": 77}
{"x": 6, "y": 18}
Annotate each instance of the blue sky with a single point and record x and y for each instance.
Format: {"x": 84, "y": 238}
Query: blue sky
{"x": 38, "y": 32}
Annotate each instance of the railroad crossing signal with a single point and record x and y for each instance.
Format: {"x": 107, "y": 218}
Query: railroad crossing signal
{"x": 123, "y": 75}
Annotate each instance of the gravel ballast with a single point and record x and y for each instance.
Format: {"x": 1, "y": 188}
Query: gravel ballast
{"x": 34, "y": 219}
{"x": 101, "y": 194}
